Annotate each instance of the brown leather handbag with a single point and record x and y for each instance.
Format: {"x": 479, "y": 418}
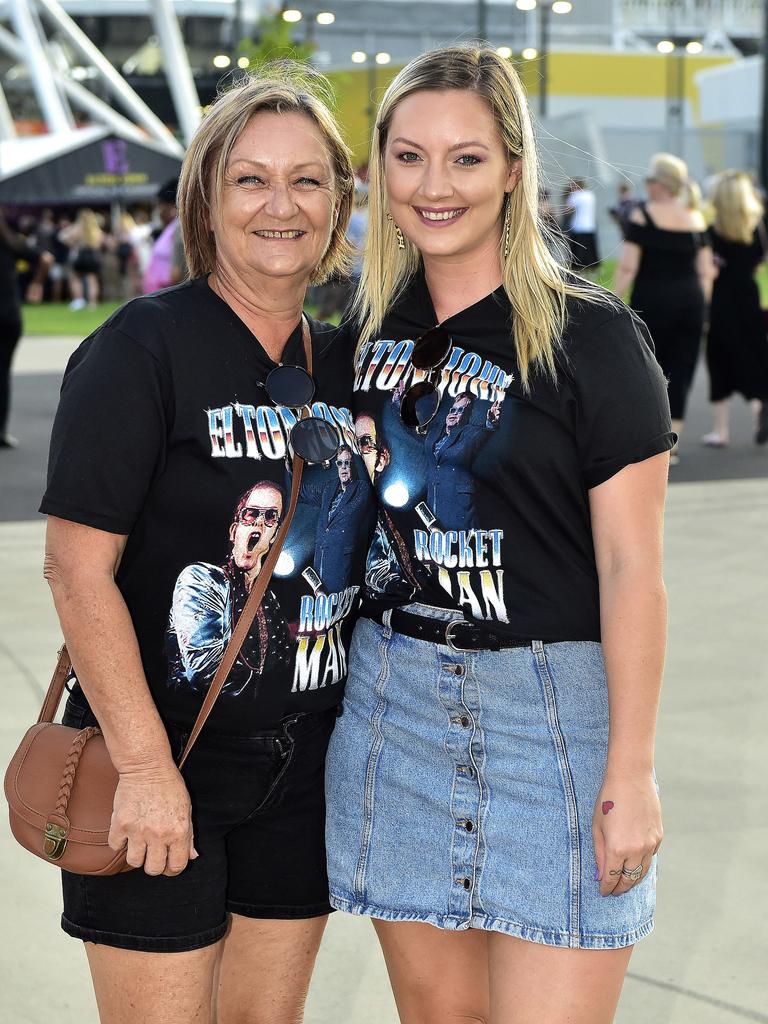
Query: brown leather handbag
{"x": 60, "y": 784}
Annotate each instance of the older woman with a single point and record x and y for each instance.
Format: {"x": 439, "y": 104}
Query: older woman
{"x": 166, "y": 490}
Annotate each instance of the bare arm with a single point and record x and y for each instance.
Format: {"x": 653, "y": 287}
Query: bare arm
{"x": 707, "y": 271}
{"x": 627, "y": 524}
{"x": 151, "y": 811}
{"x": 627, "y": 267}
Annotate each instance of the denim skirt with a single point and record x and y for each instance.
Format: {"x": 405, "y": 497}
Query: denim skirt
{"x": 461, "y": 786}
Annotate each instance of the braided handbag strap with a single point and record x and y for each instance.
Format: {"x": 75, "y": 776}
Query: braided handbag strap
{"x": 70, "y": 767}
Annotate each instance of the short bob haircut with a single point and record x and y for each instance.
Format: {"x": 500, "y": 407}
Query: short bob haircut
{"x": 280, "y": 87}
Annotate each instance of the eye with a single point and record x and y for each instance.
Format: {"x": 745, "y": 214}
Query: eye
{"x": 308, "y": 181}
{"x": 249, "y": 179}
{"x": 468, "y": 160}
{"x": 408, "y": 157}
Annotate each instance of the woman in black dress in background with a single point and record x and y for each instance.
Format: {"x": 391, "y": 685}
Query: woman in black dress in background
{"x": 667, "y": 260}
{"x": 737, "y": 347}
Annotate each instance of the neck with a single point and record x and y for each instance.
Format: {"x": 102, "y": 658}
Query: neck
{"x": 455, "y": 282}
{"x": 270, "y": 309}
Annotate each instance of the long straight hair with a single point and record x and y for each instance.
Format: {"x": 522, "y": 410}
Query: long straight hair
{"x": 537, "y": 285}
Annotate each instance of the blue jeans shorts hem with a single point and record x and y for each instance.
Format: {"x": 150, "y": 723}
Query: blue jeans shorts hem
{"x": 148, "y": 944}
{"x": 482, "y": 922}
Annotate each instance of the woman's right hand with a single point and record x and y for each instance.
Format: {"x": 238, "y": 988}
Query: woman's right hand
{"x": 152, "y": 816}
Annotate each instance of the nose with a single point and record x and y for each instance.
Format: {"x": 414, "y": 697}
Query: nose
{"x": 280, "y": 202}
{"x": 436, "y": 184}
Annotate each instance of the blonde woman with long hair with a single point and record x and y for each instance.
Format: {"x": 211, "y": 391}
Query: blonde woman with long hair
{"x": 491, "y": 798}
{"x": 85, "y": 238}
{"x": 666, "y": 261}
{"x": 737, "y": 348}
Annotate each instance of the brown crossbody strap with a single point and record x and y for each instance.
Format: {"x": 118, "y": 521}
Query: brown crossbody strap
{"x": 239, "y": 633}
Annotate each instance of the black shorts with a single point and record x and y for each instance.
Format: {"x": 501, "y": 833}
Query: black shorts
{"x": 258, "y": 810}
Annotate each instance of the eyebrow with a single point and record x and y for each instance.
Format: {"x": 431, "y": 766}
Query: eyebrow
{"x": 458, "y": 145}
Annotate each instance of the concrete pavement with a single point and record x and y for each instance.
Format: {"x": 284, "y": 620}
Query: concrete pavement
{"x": 705, "y": 964}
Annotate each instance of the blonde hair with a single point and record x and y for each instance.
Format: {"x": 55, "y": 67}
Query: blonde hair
{"x": 672, "y": 173}
{"x": 280, "y": 87}
{"x": 738, "y": 209}
{"x": 536, "y": 284}
{"x": 90, "y": 229}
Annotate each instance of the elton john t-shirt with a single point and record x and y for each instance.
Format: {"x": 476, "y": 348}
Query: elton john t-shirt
{"x": 165, "y": 433}
{"x": 487, "y": 511}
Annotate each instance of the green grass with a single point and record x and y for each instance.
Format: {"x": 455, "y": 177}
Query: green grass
{"x": 58, "y": 318}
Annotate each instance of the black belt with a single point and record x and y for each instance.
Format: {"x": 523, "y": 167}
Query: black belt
{"x": 457, "y": 634}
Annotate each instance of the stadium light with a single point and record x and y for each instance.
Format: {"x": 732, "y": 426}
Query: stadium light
{"x": 562, "y": 7}
{"x": 530, "y": 53}
{"x": 243, "y": 62}
{"x": 383, "y": 58}
{"x": 504, "y": 51}
{"x": 326, "y": 18}
{"x": 694, "y": 47}
{"x": 221, "y": 60}
{"x": 665, "y": 46}
{"x": 359, "y": 57}
{"x": 526, "y": 5}
{"x": 291, "y": 15}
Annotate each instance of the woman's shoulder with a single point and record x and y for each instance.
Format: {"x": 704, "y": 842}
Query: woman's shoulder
{"x": 590, "y": 321}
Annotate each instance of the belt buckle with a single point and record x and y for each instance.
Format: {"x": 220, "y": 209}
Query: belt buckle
{"x": 449, "y": 636}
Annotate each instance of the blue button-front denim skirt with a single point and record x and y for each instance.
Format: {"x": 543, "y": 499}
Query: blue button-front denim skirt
{"x": 461, "y": 787}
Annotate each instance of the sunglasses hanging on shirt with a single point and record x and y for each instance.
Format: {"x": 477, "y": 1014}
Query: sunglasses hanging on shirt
{"x": 313, "y": 438}
{"x": 420, "y": 402}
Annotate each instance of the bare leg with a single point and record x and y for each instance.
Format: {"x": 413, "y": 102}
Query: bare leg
{"x": 265, "y": 970}
{"x": 536, "y": 984}
{"x": 93, "y": 289}
{"x": 154, "y": 988}
{"x": 438, "y": 977}
{"x": 720, "y": 435}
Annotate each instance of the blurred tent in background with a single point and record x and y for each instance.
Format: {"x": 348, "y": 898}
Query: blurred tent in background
{"x": 89, "y": 166}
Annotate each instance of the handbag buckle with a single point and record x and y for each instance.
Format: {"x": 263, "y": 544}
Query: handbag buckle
{"x": 54, "y": 841}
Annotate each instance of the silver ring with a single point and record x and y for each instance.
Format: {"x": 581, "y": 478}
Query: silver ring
{"x": 634, "y": 874}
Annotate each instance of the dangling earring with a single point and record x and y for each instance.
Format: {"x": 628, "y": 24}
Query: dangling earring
{"x": 398, "y": 233}
{"x": 507, "y": 227}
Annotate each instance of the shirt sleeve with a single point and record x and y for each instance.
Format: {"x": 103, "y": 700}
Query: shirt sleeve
{"x": 635, "y": 233}
{"x": 623, "y": 410}
{"x": 109, "y": 435}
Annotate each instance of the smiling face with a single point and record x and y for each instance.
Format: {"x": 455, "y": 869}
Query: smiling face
{"x": 254, "y": 530}
{"x": 447, "y": 173}
{"x": 277, "y": 211}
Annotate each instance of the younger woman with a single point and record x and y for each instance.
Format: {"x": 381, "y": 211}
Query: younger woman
{"x": 491, "y": 799}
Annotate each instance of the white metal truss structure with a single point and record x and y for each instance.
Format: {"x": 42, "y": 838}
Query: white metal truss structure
{"x": 57, "y": 92}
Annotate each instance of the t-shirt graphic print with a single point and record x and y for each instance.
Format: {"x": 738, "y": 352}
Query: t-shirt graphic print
{"x": 165, "y": 433}
{"x": 485, "y": 509}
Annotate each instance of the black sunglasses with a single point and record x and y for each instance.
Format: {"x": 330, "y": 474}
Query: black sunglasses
{"x": 312, "y": 438}
{"x": 419, "y": 404}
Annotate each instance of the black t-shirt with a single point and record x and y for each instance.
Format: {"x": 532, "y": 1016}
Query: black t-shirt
{"x": 164, "y": 434}
{"x": 488, "y": 511}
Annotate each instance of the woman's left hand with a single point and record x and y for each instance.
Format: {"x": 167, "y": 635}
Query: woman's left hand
{"x": 626, "y": 829}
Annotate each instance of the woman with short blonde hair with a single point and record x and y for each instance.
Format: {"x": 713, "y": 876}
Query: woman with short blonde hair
{"x": 666, "y": 264}
{"x": 737, "y": 349}
{"x": 491, "y": 799}
{"x": 166, "y": 493}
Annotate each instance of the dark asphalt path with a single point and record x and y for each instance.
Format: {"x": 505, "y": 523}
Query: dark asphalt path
{"x": 22, "y": 471}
